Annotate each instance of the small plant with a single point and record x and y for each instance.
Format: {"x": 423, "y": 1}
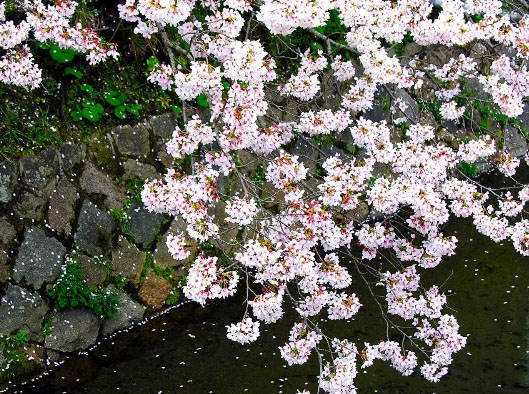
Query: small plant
{"x": 15, "y": 363}
{"x": 103, "y": 303}
{"x": 91, "y": 108}
{"x": 70, "y": 292}
{"x": 122, "y": 218}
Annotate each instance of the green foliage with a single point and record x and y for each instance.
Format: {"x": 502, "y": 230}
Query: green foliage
{"x": 173, "y": 298}
{"x": 134, "y": 187}
{"x": 16, "y": 364}
{"x": 103, "y": 303}
{"x": 10, "y": 345}
{"x": 202, "y": 100}
{"x": 401, "y": 46}
{"x": 70, "y": 292}
{"x": 61, "y": 55}
{"x": 323, "y": 139}
{"x": 469, "y": 169}
{"x": 432, "y": 106}
{"x": 214, "y": 250}
{"x": 92, "y": 108}
{"x": 46, "y": 328}
{"x": 151, "y": 62}
{"x": 259, "y": 177}
{"x": 54, "y": 113}
{"x": 122, "y": 219}
{"x": 73, "y": 71}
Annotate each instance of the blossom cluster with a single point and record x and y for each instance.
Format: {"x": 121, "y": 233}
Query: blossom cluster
{"x": 293, "y": 219}
{"x": 244, "y": 332}
{"x": 50, "y": 23}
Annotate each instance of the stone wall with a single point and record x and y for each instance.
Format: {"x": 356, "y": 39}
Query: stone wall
{"x": 74, "y": 200}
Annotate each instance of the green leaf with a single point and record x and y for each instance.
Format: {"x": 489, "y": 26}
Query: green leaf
{"x": 90, "y": 115}
{"x": 134, "y": 109}
{"x": 86, "y": 88}
{"x": 122, "y": 98}
{"x": 225, "y": 85}
{"x": 176, "y": 109}
{"x": 120, "y": 112}
{"x": 61, "y": 55}
{"x": 98, "y": 108}
{"x": 73, "y": 71}
{"x": 115, "y": 98}
{"x": 88, "y": 103}
{"x": 113, "y": 101}
{"x": 202, "y": 100}
{"x": 76, "y": 116}
{"x": 151, "y": 62}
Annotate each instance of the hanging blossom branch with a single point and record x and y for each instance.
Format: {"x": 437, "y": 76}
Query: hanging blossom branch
{"x": 295, "y": 232}
{"x": 294, "y": 227}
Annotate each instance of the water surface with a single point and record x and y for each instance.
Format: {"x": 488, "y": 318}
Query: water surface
{"x": 186, "y": 352}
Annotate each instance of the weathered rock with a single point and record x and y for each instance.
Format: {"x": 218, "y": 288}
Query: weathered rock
{"x": 143, "y": 224}
{"x": 154, "y": 290}
{"x": 427, "y": 118}
{"x": 8, "y": 181}
{"x": 4, "y": 270}
{"x": 412, "y": 112}
{"x": 330, "y": 96}
{"x": 412, "y": 49}
{"x": 332, "y": 150}
{"x": 72, "y": 330}
{"x": 515, "y": 142}
{"x": 71, "y": 156}
{"x": 250, "y": 162}
{"x": 377, "y": 112}
{"x": 94, "y": 181}
{"x": 35, "y": 353}
{"x": 445, "y": 136}
{"x": 129, "y": 311}
{"x": 22, "y": 310}
{"x": 94, "y": 231}
{"x": 38, "y": 171}
{"x": 163, "y": 125}
{"x": 102, "y": 154}
{"x": 226, "y": 240}
{"x": 307, "y": 154}
{"x": 128, "y": 261}
{"x": 137, "y": 169}
{"x": 523, "y": 119}
{"x": 94, "y": 274}
{"x": 61, "y": 212}
{"x": 476, "y": 88}
{"x": 132, "y": 141}
{"x": 30, "y": 206}
{"x": 161, "y": 256}
{"x": 360, "y": 213}
{"x": 160, "y": 154}
{"x": 7, "y": 232}
{"x": 39, "y": 258}
{"x": 452, "y": 126}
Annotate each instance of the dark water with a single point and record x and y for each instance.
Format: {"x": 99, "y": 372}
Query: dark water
{"x": 186, "y": 351}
